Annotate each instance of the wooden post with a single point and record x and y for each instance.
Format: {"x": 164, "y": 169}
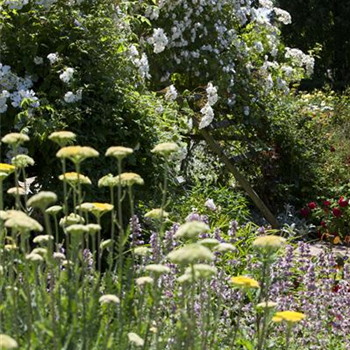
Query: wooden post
{"x": 215, "y": 147}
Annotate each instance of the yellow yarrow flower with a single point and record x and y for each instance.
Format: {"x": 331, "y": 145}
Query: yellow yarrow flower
{"x": 245, "y": 282}
{"x": 6, "y": 170}
{"x": 99, "y": 209}
{"x": 72, "y": 178}
{"x": 77, "y": 153}
{"x": 288, "y": 316}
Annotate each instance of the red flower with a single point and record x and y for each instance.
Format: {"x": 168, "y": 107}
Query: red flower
{"x": 336, "y": 212}
{"x": 336, "y": 288}
{"x": 304, "y": 212}
{"x": 327, "y": 203}
{"x": 332, "y": 149}
{"x": 312, "y": 205}
{"x": 323, "y": 224}
{"x": 343, "y": 202}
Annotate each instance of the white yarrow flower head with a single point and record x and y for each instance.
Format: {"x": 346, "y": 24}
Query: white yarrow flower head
{"x": 21, "y": 221}
{"x": 171, "y": 93}
{"x": 53, "y": 57}
{"x": 15, "y": 139}
{"x": 156, "y": 214}
{"x": 209, "y": 242}
{"x": 165, "y": 148}
{"x": 208, "y": 116}
{"x": 22, "y": 161}
{"x": 136, "y": 339}
{"x": 76, "y": 229}
{"x": 59, "y": 256}
{"x": 157, "y": 269}
{"x": 118, "y": 152}
{"x": 191, "y": 254}
{"x": 7, "y": 343}
{"x": 43, "y": 239}
{"x": 144, "y": 280}
{"x": 62, "y": 138}
{"x": 269, "y": 243}
{"x": 35, "y": 258}
{"x": 201, "y": 271}
{"x": 42, "y": 200}
{"x": 191, "y": 229}
{"x": 109, "y": 299}
{"x": 142, "y": 251}
{"x": 225, "y": 247}
{"x": 54, "y": 210}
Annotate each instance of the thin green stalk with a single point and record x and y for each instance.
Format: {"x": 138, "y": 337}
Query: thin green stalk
{"x": 238, "y": 319}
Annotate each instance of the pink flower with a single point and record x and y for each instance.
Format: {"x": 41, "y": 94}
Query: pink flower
{"x": 327, "y": 203}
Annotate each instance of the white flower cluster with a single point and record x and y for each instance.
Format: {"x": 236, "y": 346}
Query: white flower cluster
{"x": 67, "y": 75}
{"x": 299, "y": 59}
{"x": 202, "y": 38}
{"x": 71, "y": 97}
{"x": 140, "y": 62}
{"x": 53, "y": 57}
{"x": 15, "y": 88}
{"x": 207, "y": 111}
{"x": 282, "y": 16}
{"x": 159, "y": 40}
{"x": 171, "y": 93}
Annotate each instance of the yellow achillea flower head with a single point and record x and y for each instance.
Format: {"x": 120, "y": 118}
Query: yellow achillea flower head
{"x": 269, "y": 242}
{"x": 244, "y": 282}
{"x": 99, "y": 209}
{"x": 119, "y": 152}
{"x": 62, "y": 138}
{"x": 72, "y": 178}
{"x": 77, "y": 153}
{"x": 166, "y": 148}
{"x": 6, "y": 170}
{"x": 288, "y": 316}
